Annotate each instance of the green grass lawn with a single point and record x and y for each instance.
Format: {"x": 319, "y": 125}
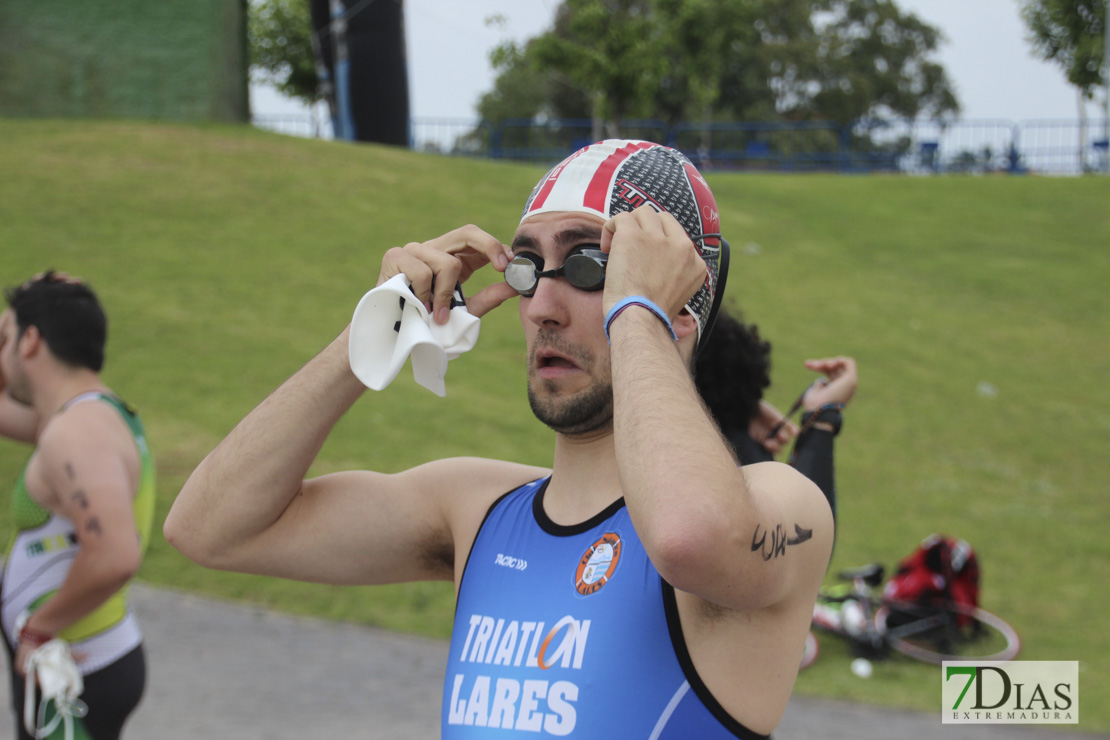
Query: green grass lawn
{"x": 976, "y": 308}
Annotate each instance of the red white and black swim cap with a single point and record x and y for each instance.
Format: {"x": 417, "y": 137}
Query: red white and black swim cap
{"x": 619, "y": 175}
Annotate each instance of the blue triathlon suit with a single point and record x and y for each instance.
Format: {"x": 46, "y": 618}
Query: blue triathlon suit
{"x": 569, "y": 631}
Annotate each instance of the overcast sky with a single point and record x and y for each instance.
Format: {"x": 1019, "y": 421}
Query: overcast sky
{"x": 986, "y": 55}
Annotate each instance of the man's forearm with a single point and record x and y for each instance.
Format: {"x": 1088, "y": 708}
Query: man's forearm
{"x": 90, "y": 582}
{"x": 668, "y": 451}
{"x": 813, "y": 457}
{"x": 249, "y": 479}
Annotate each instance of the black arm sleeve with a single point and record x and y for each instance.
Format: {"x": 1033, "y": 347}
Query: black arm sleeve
{"x": 813, "y": 457}
{"x": 747, "y": 450}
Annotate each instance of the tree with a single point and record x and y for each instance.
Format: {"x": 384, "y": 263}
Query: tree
{"x": 279, "y": 35}
{"x": 706, "y": 60}
{"x": 1071, "y": 33}
{"x": 522, "y": 90}
{"x": 712, "y": 49}
{"x": 872, "y": 60}
{"x": 605, "y": 48}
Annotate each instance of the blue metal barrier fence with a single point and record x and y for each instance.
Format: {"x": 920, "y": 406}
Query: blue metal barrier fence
{"x": 1051, "y": 147}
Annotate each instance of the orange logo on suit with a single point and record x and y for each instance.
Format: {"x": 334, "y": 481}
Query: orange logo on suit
{"x": 597, "y": 564}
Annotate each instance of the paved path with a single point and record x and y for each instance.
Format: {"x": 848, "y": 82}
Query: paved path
{"x": 220, "y": 670}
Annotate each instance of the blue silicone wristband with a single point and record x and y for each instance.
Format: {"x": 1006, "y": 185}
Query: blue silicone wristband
{"x": 637, "y": 300}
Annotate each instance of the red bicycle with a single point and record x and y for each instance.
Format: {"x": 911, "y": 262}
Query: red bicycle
{"x": 931, "y": 631}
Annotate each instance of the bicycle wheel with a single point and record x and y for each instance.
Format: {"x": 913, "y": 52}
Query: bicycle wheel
{"x": 934, "y": 634}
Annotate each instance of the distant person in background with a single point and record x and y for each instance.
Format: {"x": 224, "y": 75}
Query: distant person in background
{"x": 733, "y": 369}
{"x": 82, "y": 508}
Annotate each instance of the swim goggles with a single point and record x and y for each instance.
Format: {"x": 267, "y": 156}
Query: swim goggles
{"x": 584, "y": 268}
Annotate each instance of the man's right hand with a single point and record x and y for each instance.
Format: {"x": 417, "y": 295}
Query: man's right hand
{"x": 666, "y": 267}
{"x": 445, "y": 261}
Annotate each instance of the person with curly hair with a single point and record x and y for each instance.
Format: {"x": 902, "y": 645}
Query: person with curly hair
{"x": 732, "y": 371}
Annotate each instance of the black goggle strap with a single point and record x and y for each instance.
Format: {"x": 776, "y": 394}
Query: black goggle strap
{"x": 570, "y": 269}
{"x": 457, "y": 299}
{"x": 722, "y": 278}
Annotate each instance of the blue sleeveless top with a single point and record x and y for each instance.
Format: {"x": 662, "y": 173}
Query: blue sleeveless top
{"x": 569, "y": 631}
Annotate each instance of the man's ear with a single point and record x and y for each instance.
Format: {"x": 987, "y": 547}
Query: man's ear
{"x": 29, "y": 342}
{"x": 684, "y": 324}
{"x": 686, "y": 329}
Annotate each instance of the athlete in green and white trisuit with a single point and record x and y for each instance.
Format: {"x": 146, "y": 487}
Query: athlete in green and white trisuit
{"x": 83, "y": 506}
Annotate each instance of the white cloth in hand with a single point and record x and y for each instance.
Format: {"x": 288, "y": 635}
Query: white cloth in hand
{"x": 58, "y": 679}
{"x": 390, "y": 324}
